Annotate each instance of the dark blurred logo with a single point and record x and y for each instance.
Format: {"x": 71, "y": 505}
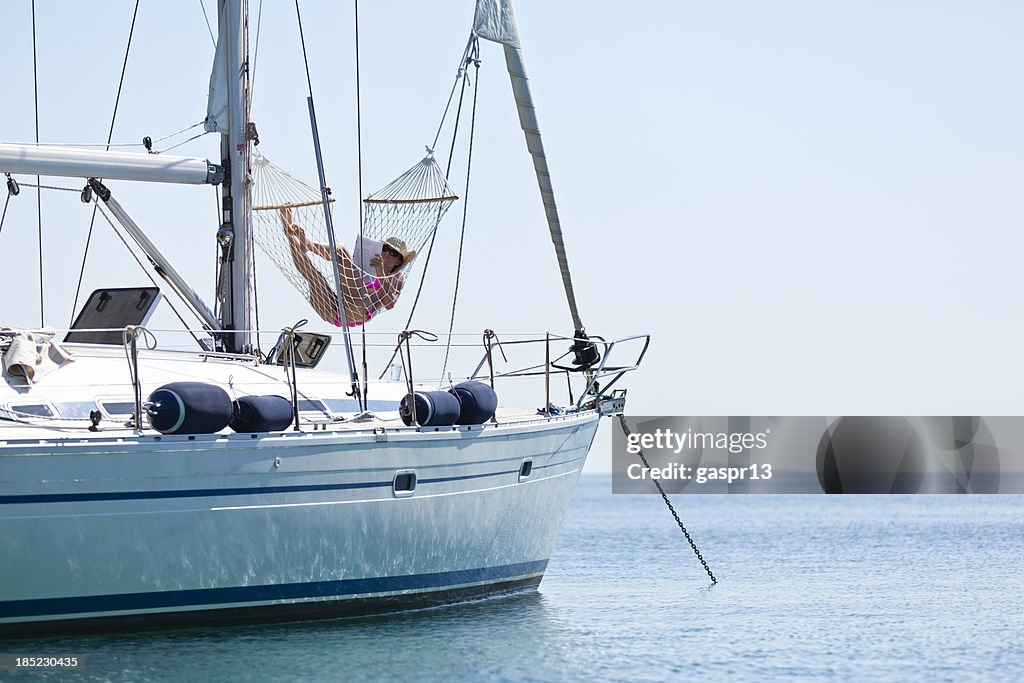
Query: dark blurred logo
{"x": 871, "y": 455}
{"x": 892, "y": 455}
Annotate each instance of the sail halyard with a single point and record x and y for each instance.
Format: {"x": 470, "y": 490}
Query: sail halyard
{"x": 217, "y": 100}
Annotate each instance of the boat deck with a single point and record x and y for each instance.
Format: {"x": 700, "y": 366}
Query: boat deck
{"x": 92, "y": 398}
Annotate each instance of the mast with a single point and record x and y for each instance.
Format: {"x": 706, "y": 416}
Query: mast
{"x": 235, "y": 233}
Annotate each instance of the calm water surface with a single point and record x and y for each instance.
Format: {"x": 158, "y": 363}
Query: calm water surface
{"x": 879, "y": 588}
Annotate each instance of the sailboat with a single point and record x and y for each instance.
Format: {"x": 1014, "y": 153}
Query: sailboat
{"x": 143, "y": 487}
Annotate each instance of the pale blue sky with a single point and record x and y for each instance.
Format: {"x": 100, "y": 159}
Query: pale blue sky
{"x": 814, "y": 207}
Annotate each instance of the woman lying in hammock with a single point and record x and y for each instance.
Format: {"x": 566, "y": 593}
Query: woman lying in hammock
{"x": 363, "y": 296}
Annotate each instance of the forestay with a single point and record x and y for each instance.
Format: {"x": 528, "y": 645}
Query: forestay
{"x": 495, "y": 20}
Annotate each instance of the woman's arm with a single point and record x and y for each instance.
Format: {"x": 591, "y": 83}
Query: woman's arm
{"x": 390, "y": 288}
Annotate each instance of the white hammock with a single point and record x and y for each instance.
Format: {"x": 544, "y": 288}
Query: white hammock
{"x": 409, "y": 208}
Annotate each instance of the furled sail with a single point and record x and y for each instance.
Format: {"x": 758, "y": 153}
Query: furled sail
{"x": 495, "y": 20}
{"x": 217, "y": 101}
{"x": 30, "y": 354}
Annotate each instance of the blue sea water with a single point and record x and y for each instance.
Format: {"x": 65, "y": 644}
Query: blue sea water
{"x": 811, "y": 587}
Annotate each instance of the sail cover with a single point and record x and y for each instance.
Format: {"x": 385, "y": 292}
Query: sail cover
{"x": 496, "y": 20}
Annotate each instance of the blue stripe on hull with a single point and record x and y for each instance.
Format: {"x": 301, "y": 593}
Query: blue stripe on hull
{"x": 322, "y": 590}
{"x": 248, "y": 491}
{"x": 332, "y": 608}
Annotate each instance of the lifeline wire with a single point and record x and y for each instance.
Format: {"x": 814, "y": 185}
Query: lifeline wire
{"x": 664, "y": 496}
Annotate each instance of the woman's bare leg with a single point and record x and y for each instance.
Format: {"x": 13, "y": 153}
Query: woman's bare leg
{"x": 353, "y": 287}
{"x": 321, "y": 295}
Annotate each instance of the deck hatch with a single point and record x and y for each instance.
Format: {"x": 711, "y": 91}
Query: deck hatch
{"x": 32, "y": 409}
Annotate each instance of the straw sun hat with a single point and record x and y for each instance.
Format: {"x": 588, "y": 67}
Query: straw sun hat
{"x": 400, "y": 246}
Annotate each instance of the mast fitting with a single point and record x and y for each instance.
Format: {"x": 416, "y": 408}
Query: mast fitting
{"x": 99, "y": 188}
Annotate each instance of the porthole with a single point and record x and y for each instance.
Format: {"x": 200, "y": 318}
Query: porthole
{"x": 526, "y": 469}
{"x": 404, "y": 483}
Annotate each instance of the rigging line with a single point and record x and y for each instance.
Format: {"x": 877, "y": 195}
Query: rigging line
{"x": 51, "y": 187}
{"x": 465, "y": 209}
{"x": 255, "y": 291}
{"x": 415, "y": 301}
{"x": 178, "y": 144}
{"x": 39, "y": 191}
{"x": 3, "y": 217}
{"x": 250, "y": 233}
{"x": 177, "y": 132}
{"x": 359, "y": 169}
{"x": 145, "y": 271}
{"x": 218, "y": 266}
{"x": 459, "y": 76}
{"x": 108, "y": 144}
{"x": 302, "y": 39}
{"x": 328, "y": 219}
{"x": 208, "y": 26}
{"x": 110, "y": 136}
{"x": 256, "y": 52}
{"x": 433, "y": 236}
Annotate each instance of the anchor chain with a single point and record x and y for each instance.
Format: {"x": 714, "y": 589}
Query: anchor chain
{"x": 664, "y": 496}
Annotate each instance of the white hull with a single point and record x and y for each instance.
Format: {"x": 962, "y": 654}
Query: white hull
{"x": 106, "y": 522}
{"x": 142, "y": 530}
{"x": 211, "y": 529}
